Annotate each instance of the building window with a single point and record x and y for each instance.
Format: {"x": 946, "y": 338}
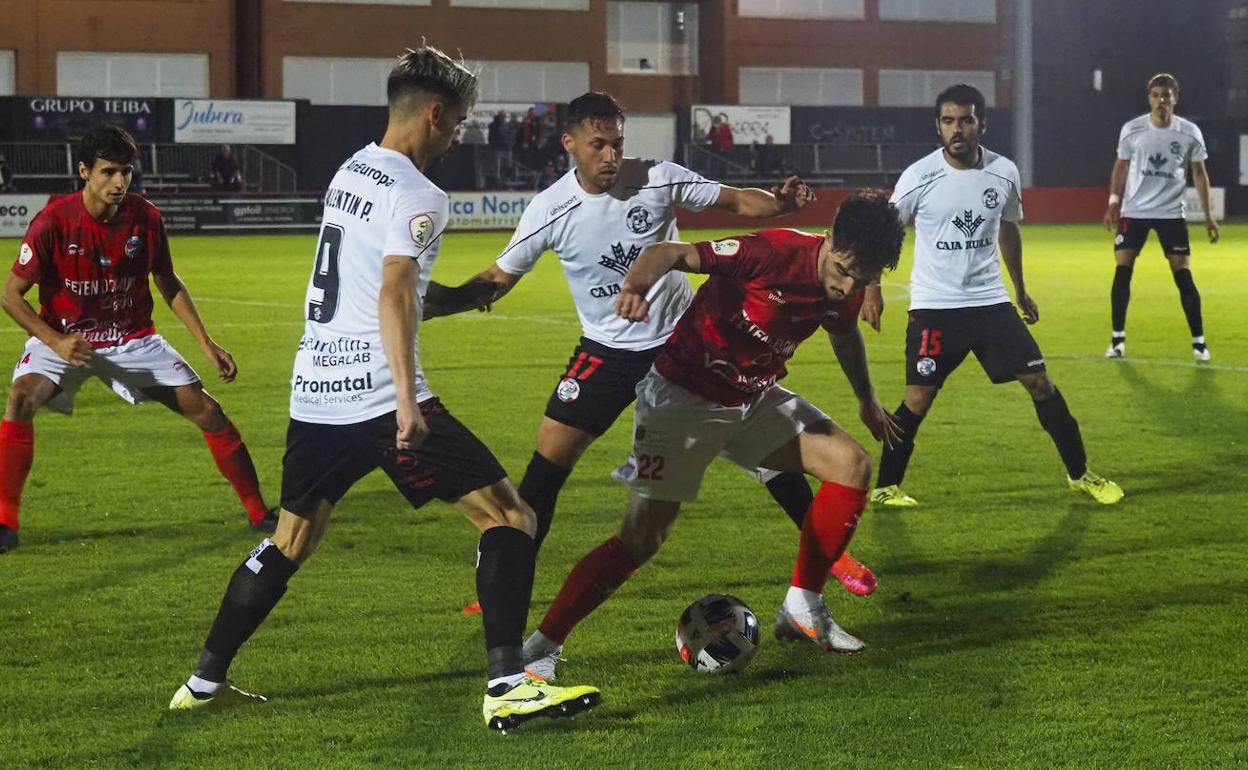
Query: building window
{"x": 336, "y": 80}
{"x": 366, "y": 2}
{"x": 919, "y": 88}
{"x": 652, "y": 38}
{"x": 799, "y": 86}
{"x": 531, "y": 81}
{"x": 801, "y": 9}
{"x": 8, "y": 73}
{"x": 973, "y": 11}
{"x": 92, "y": 73}
{"x": 548, "y": 5}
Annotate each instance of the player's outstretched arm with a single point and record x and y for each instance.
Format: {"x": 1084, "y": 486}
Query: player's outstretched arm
{"x": 872, "y": 305}
{"x": 757, "y": 203}
{"x": 398, "y": 313}
{"x": 654, "y": 262}
{"x": 479, "y": 292}
{"x": 1012, "y": 255}
{"x": 851, "y": 353}
{"x": 1200, "y": 177}
{"x": 178, "y": 297}
{"x": 1117, "y": 184}
{"x": 73, "y": 348}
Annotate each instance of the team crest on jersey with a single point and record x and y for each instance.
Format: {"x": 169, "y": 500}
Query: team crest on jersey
{"x": 569, "y": 390}
{"x": 639, "y": 219}
{"x": 25, "y": 254}
{"x": 133, "y": 245}
{"x": 74, "y": 249}
{"x": 726, "y": 248}
{"x": 421, "y": 229}
{"x": 992, "y": 198}
{"x": 926, "y": 367}
{"x": 1176, "y": 149}
{"x": 968, "y": 223}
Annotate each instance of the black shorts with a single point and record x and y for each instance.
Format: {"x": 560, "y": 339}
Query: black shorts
{"x": 323, "y": 461}
{"x": 1132, "y": 233}
{"x": 598, "y": 385}
{"x": 938, "y": 340}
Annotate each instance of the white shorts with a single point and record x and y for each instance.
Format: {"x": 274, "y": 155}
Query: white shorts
{"x": 129, "y": 369}
{"x": 676, "y": 434}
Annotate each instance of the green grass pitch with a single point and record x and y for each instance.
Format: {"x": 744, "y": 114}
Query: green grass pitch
{"x": 1016, "y": 625}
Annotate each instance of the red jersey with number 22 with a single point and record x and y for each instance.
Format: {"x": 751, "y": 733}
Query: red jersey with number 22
{"x": 93, "y": 275}
{"x": 763, "y": 298}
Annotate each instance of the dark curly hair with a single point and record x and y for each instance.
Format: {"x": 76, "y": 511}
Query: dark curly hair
{"x": 593, "y": 107}
{"x": 109, "y": 142}
{"x": 870, "y": 228}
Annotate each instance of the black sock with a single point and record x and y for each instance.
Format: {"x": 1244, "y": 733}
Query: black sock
{"x": 792, "y": 492}
{"x": 894, "y": 461}
{"x": 254, "y": 589}
{"x": 540, "y": 489}
{"x": 1061, "y": 426}
{"x": 1190, "y": 299}
{"x": 505, "y": 564}
{"x": 1119, "y": 296}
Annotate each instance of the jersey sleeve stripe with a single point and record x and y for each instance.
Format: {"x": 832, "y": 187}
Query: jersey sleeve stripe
{"x": 920, "y": 187}
{"x": 562, "y": 214}
{"x": 1007, "y": 180}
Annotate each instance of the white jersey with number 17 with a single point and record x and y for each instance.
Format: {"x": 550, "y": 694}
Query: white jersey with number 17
{"x": 378, "y": 204}
{"x": 597, "y": 237}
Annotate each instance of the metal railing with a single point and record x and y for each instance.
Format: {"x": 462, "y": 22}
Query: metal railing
{"x": 166, "y": 167}
{"x": 828, "y": 163}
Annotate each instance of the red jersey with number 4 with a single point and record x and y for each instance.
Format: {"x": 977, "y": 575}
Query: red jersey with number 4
{"x": 763, "y": 298}
{"x": 93, "y": 275}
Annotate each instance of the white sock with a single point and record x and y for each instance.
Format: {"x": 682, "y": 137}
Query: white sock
{"x": 1198, "y": 340}
{"x": 538, "y": 645}
{"x": 203, "y": 686}
{"x": 1119, "y": 336}
{"x": 510, "y": 680}
{"x": 800, "y": 599}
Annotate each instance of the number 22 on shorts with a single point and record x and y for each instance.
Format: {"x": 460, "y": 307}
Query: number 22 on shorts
{"x": 650, "y": 467}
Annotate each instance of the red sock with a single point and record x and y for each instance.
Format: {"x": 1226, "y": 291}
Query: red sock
{"x": 17, "y": 452}
{"x": 591, "y": 582}
{"x": 234, "y": 462}
{"x": 826, "y": 532}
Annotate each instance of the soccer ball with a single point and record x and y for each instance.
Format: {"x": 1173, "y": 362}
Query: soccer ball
{"x": 717, "y": 634}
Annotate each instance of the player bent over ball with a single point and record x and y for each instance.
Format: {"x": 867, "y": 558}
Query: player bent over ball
{"x": 713, "y": 391}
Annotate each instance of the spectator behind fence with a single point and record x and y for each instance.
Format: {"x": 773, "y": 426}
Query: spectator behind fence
{"x": 547, "y": 176}
{"x": 767, "y": 157}
{"x": 226, "y": 175}
{"x": 721, "y": 134}
{"x": 6, "y": 176}
{"x": 498, "y": 130}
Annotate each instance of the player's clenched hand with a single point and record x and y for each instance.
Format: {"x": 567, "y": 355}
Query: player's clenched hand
{"x": 872, "y": 306}
{"x": 74, "y": 349}
{"x": 792, "y": 195}
{"x": 882, "y": 424}
{"x": 1031, "y": 313}
{"x": 412, "y": 427}
{"x": 1112, "y": 214}
{"x": 1211, "y": 227}
{"x": 227, "y": 370}
{"x": 631, "y": 305}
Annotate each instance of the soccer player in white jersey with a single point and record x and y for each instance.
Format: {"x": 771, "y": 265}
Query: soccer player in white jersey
{"x": 966, "y": 205}
{"x": 359, "y": 401}
{"x": 1146, "y": 193}
{"x": 597, "y": 218}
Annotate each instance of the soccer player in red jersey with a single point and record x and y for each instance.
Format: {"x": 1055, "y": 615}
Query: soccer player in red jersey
{"x": 713, "y": 391}
{"x": 91, "y": 254}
